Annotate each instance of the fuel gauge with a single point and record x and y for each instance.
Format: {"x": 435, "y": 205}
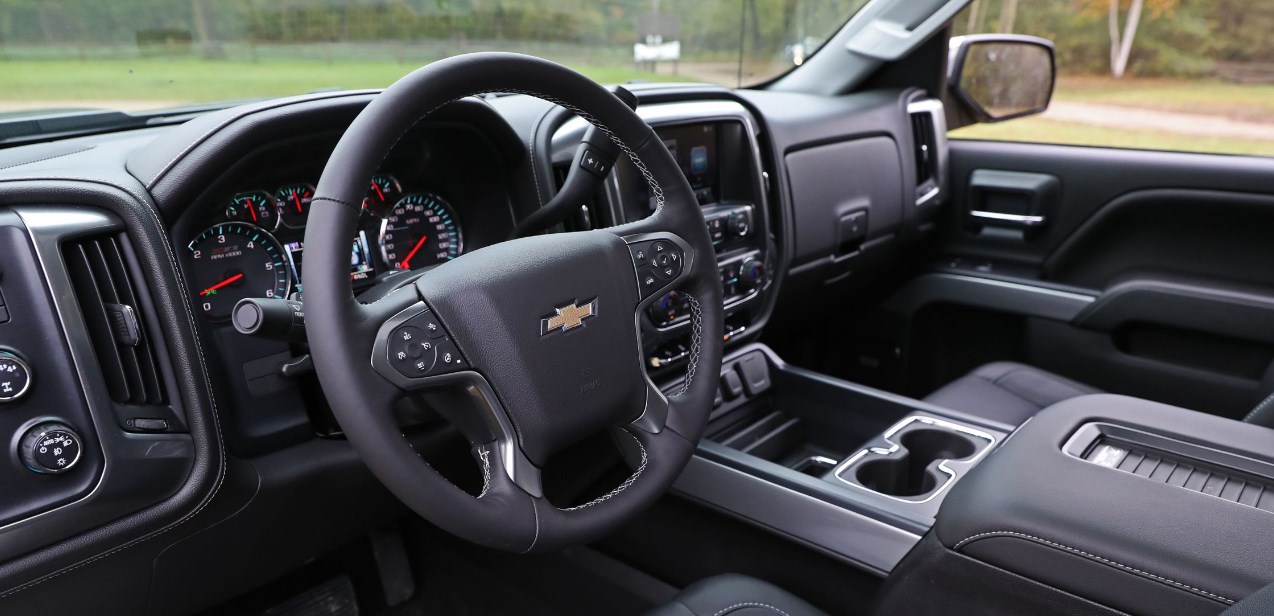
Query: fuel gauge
{"x": 256, "y": 207}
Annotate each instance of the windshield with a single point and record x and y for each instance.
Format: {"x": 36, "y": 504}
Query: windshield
{"x": 135, "y": 55}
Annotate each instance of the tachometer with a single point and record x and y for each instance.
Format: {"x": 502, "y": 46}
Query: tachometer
{"x": 420, "y": 231}
{"x": 235, "y": 260}
{"x": 382, "y": 195}
{"x": 294, "y": 204}
{"x": 254, "y": 207}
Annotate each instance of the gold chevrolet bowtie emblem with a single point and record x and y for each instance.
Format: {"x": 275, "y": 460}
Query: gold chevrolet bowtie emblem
{"x": 567, "y": 317}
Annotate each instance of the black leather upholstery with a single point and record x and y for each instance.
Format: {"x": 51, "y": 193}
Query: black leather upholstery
{"x": 1259, "y": 603}
{"x": 735, "y": 595}
{"x": 1007, "y": 392}
{"x": 1139, "y": 546}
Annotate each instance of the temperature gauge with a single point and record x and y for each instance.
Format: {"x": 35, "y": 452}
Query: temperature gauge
{"x": 294, "y": 204}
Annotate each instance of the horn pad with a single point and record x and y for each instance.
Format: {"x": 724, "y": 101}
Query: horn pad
{"x": 549, "y": 321}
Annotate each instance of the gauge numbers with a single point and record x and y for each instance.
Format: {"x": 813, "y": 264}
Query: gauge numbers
{"x": 421, "y": 230}
{"x": 235, "y": 260}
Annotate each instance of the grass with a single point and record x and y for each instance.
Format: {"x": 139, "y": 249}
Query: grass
{"x": 149, "y": 82}
{"x": 1240, "y": 102}
{"x": 1041, "y": 130}
{"x": 187, "y": 80}
{"x": 1247, "y": 102}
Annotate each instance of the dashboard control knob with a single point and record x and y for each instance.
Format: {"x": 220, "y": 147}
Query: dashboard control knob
{"x": 15, "y": 377}
{"x": 50, "y": 448}
{"x": 740, "y": 223}
{"x": 752, "y": 273}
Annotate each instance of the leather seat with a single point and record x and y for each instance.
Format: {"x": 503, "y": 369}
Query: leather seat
{"x": 1007, "y": 392}
{"x": 735, "y": 595}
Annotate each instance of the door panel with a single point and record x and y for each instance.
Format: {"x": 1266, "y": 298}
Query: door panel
{"x": 1175, "y": 248}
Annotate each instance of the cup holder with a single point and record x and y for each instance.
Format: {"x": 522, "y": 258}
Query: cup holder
{"x": 911, "y": 470}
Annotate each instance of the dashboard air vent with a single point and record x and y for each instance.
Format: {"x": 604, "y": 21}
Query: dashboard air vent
{"x": 105, "y": 284}
{"x": 928, "y": 130}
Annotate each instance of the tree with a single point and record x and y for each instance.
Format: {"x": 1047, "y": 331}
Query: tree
{"x": 1121, "y": 42}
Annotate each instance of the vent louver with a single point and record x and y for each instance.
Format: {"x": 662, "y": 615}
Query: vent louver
{"x": 106, "y": 287}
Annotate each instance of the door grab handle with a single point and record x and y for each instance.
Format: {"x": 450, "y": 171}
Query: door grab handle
{"x": 1009, "y": 220}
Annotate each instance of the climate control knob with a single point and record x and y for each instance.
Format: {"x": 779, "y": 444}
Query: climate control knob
{"x": 50, "y": 448}
{"x": 751, "y": 274}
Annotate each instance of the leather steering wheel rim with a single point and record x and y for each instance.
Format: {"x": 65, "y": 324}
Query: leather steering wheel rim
{"x": 538, "y": 390}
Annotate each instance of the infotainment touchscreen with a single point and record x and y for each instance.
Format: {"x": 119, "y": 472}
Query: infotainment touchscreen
{"x": 695, "y": 149}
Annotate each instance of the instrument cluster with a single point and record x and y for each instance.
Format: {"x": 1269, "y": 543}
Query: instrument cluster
{"x": 255, "y": 244}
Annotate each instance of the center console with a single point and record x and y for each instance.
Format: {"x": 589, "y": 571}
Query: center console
{"x": 851, "y": 471}
{"x": 1104, "y": 504}
{"x": 1101, "y": 505}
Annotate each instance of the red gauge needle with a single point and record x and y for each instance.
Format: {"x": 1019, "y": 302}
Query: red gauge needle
{"x": 378, "y": 192}
{"x": 213, "y": 288}
{"x": 297, "y": 198}
{"x": 406, "y": 264}
{"x": 253, "y": 210}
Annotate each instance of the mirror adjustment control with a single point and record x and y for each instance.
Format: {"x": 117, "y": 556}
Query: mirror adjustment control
{"x": 15, "y": 377}
{"x": 50, "y": 448}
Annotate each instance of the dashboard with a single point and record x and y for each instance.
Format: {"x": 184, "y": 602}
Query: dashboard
{"x": 248, "y": 233}
{"x": 133, "y": 247}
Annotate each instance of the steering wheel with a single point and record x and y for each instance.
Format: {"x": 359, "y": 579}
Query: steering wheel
{"x": 529, "y": 345}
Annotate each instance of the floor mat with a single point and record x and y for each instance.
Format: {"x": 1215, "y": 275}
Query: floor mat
{"x": 334, "y": 597}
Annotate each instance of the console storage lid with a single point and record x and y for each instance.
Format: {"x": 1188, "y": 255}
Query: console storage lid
{"x": 1065, "y": 502}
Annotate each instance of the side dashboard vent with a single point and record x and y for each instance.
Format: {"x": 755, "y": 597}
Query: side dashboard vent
{"x": 104, "y": 278}
{"x": 928, "y": 130}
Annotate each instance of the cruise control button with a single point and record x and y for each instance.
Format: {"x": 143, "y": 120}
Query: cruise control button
{"x": 448, "y": 358}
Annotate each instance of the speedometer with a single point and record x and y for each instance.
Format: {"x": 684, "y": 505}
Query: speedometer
{"x": 235, "y": 260}
{"x": 420, "y": 231}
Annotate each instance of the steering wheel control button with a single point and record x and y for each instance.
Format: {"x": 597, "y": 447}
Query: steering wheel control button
{"x": 449, "y": 359}
{"x": 594, "y": 163}
{"x": 658, "y": 262}
{"x": 50, "y": 448}
{"x": 15, "y": 377}
{"x": 420, "y": 347}
{"x": 432, "y": 327}
{"x": 641, "y": 258}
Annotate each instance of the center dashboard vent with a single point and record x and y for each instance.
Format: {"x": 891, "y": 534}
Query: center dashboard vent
{"x": 928, "y": 130}
{"x": 105, "y": 283}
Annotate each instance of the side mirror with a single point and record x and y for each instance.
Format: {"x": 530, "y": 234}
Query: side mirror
{"x": 999, "y": 77}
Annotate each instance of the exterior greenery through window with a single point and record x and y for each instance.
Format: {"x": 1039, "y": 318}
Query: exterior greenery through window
{"x": 143, "y": 54}
{"x": 1186, "y": 75}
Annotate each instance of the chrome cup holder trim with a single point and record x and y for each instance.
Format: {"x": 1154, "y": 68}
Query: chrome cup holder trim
{"x": 988, "y": 441}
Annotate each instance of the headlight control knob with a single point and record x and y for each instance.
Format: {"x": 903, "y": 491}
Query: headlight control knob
{"x": 50, "y": 448}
